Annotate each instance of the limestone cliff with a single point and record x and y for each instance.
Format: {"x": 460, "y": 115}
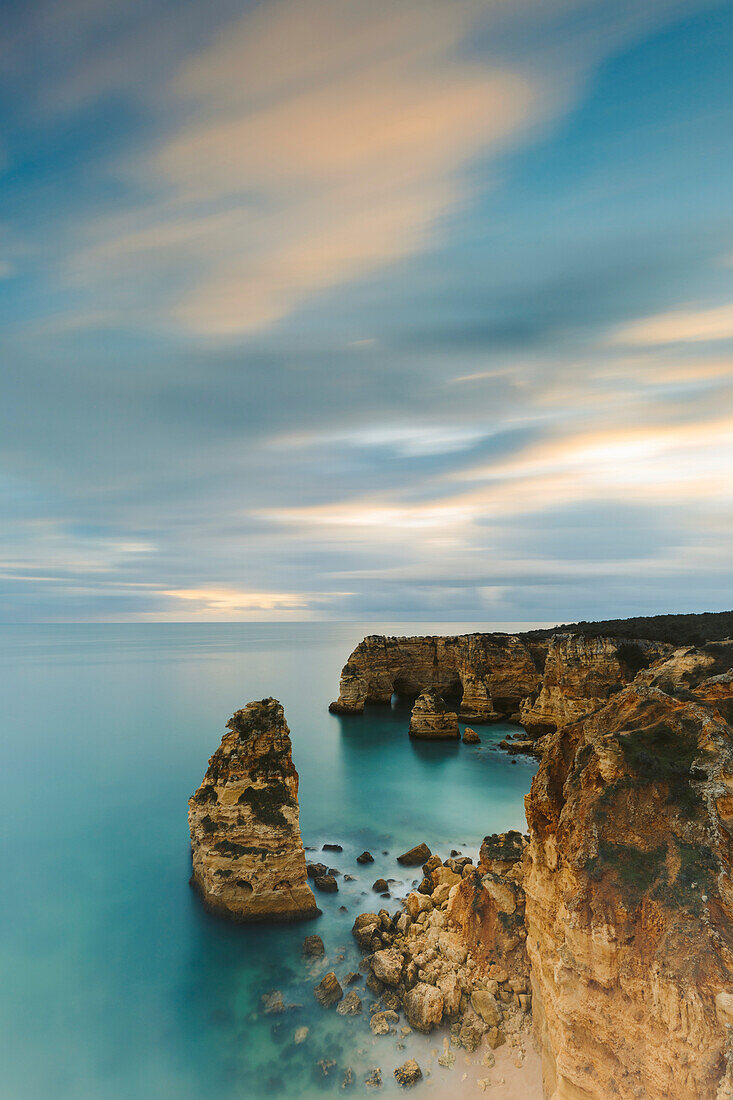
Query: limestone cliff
{"x": 579, "y": 676}
{"x": 490, "y": 673}
{"x": 248, "y": 858}
{"x": 544, "y": 683}
{"x": 628, "y": 889}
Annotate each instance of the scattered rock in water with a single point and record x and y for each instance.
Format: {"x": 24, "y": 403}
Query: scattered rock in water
{"x": 349, "y": 878}
{"x": 348, "y": 1078}
{"x": 352, "y": 977}
{"x": 380, "y": 886}
{"x": 415, "y": 856}
{"x": 470, "y": 737}
{"x": 328, "y": 991}
{"x": 343, "y": 909}
{"x": 350, "y": 1005}
{"x": 314, "y": 870}
{"x": 272, "y": 1003}
{"x": 373, "y": 1080}
{"x": 332, "y": 848}
{"x": 408, "y": 1074}
{"x": 447, "y": 1059}
{"x": 300, "y": 1036}
{"x": 313, "y": 947}
{"x": 326, "y": 883}
{"x": 326, "y": 1065}
{"x": 365, "y": 857}
{"x": 381, "y": 1022}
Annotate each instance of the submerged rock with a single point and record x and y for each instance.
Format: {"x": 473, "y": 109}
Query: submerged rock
{"x": 313, "y": 946}
{"x": 247, "y": 851}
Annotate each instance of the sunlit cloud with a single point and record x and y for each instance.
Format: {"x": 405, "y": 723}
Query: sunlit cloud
{"x": 679, "y": 326}
{"x": 321, "y": 143}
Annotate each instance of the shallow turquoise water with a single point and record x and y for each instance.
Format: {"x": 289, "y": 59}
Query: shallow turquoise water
{"x": 114, "y": 982}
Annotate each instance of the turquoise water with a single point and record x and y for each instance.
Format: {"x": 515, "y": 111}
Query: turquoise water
{"x": 114, "y": 982}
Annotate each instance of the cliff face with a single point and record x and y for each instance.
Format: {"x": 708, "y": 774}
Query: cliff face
{"x": 491, "y": 673}
{"x": 545, "y": 684}
{"x": 580, "y": 675}
{"x": 248, "y": 858}
{"x": 629, "y": 900}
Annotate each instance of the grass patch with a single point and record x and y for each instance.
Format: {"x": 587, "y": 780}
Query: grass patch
{"x": 661, "y": 754}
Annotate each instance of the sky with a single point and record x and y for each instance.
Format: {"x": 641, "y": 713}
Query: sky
{"x": 362, "y": 309}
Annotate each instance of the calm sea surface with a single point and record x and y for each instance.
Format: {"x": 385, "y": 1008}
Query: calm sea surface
{"x": 114, "y": 984}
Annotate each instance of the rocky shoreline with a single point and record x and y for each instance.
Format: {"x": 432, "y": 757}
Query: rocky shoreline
{"x": 607, "y": 931}
{"x": 619, "y": 909}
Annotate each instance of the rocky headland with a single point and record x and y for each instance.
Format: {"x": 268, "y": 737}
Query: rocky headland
{"x": 246, "y": 847}
{"x": 611, "y": 923}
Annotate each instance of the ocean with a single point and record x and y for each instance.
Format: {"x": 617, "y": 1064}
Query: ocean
{"x": 116, "y": 985}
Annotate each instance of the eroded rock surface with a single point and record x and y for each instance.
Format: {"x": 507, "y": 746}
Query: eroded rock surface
{"x": 247, "y": 851}
{"x": 432, "y": 719}
{"x": 544, "y": 682}
{"x": 629, "y": 903}
{"x": 580, "y": 675}
{"x": 491, "y": 673}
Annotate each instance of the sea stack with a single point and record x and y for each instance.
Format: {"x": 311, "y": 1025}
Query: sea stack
{"x": 431, "y": 718}
{"x": 248, "y": 858}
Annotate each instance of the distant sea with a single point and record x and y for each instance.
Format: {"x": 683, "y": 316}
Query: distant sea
{"x": 115, "y": 984}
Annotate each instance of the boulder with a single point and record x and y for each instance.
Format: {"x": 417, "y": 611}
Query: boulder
{"x": 313, "y": 947}
{"x": 408, "y": 1074}
{"x": 326, "y": 883}
{"x": 332, "y": 848}
{"x": 350, "y": 1005}
{"x": 423, "y": 1006}
{"x": 328, "y": 991}
{"x": 365, "y": 925}
{"x": 387, "y": 965}
{"x": 470, "y": 737}
{"x": 484, "y": 1003}
{"x": 415, "y": 856}
{"x": 381, "y": 886}
{"x": 381, "y": 1022}
{"x": 417, "y": 904}
{"x": 471, "y": 1031}
{"x": 365, "y": 857}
